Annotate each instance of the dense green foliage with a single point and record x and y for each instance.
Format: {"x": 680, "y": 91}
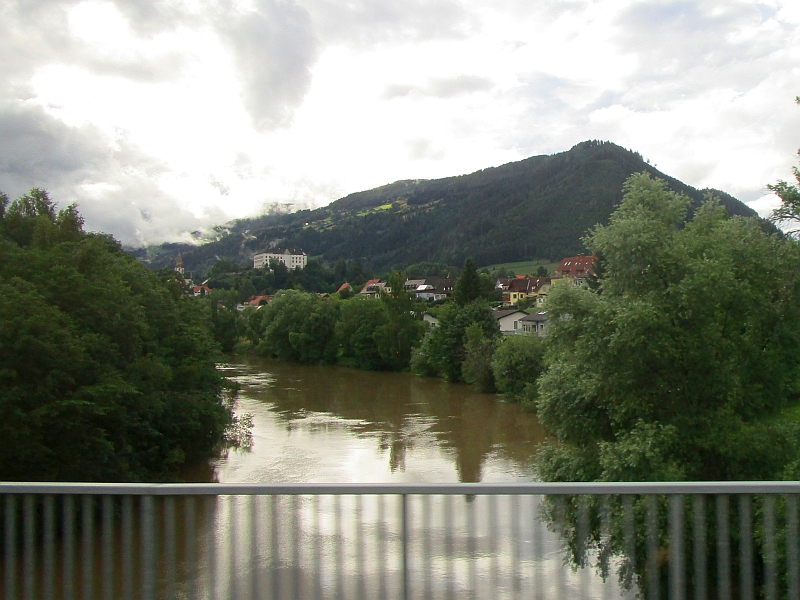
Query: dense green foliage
{"x": 476, "y": 367}
{"x": 680, "y": 364}
{"x": 516, "y": 365}
{"x": 106, "y": 369}
{"x": 402, "y": 330}
{"x": 299, "y": 326}
{"x": 248, "y": 282}
{"x": 442, "y": 352}
{"x": 370, "y": 333}
{"x": 468, "y": 288}
{"x": 359, "y": 319}
{"x": 539, "y": 207}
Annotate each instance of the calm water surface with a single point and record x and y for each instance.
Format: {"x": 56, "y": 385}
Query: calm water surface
{"x": 332, "y": 424}
{"x": 328, "y": 424}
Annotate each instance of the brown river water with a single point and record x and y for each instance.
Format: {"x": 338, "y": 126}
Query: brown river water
{"x": 333, "y": 424}
{"x": 319, "y": 424}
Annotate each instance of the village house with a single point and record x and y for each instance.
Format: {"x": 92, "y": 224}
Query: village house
{"x": 374, "y": 287}
{"x": 444, "y": 289}
{"x": 524, "y": 287}
{"x": 534, "y": 324}
{"x": 290, "y": 259}
{"x": 430, "y": 320}
{"x": 411, "y": 285}
{"x": 258, "y": 301}
{"x": 431, "y": 288}
{"x": 201, "y": 290}
{"x": 509, "y": 320}
{"x": 576, "y": 269}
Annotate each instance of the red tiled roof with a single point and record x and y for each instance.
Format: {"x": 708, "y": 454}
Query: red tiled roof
{"x": 256, "y": 300}
{"x": 576, "y": 266}
{"x": 369, "y": 283}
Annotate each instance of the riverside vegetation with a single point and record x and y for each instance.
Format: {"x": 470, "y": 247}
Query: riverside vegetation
{"x": 680, "y": 362}
{"x": 107, "y": 369}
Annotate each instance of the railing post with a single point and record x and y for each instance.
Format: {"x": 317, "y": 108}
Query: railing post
{"x": 148, "y": 548}
{"x": 406, "y": 594}
{"x": 770, "y": 584}
{"x": 11, "y": 546}
{"x": 700, "y": 563}
{"x": 676, "y": 571}
{"x": 745, "y": 548}
{"x": 651, "y": 526}
{"x": 793, "y": 575}
{"x": 723, "y": 549}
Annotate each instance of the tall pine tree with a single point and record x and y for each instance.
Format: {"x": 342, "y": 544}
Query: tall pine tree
{"x": 468, "y": 286}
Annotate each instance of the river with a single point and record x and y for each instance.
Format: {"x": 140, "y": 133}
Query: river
{"x": 333, "y": 424}
{"x": 323, "y": 424}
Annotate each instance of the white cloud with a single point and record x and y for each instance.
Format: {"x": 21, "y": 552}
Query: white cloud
{"x": 161, "y": 117}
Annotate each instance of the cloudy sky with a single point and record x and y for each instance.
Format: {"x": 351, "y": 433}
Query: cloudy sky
{"x": 163, "y": 117}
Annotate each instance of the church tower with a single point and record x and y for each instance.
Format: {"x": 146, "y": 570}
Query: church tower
{"x": 179, "y": 264}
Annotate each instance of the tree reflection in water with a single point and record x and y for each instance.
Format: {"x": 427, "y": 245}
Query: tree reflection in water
{"x": 422, "y": 424}
{"x": 676, "y": 546}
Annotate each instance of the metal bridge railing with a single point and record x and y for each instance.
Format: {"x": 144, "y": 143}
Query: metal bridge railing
{"x": 527, "y": 540}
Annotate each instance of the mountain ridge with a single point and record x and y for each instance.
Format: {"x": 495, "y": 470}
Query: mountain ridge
{"x": 536, "y": 208}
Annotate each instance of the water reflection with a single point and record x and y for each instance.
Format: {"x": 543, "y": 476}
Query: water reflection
{"x": 323, "y": 424}
{"x": 316, "y": 423}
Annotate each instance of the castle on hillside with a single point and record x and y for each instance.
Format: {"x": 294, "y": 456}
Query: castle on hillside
{"x": 290, "y": 259}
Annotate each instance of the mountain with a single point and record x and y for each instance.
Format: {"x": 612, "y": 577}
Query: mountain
{"x": 536, "y": 208}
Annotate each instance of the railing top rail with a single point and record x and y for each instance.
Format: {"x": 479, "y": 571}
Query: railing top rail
{"x": 478, "y": 489}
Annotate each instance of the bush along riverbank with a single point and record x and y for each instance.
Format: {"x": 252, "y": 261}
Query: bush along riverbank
{"x": 107, "y": 369}
{"x": 386, "y": 332}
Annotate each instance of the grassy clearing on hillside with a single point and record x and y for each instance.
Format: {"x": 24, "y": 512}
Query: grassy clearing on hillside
{"x": 523, "y": 268}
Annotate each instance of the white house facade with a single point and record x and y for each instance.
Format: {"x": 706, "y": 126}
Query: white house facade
{"x": 291, "y": 260}
{"x": 509, "y": 320}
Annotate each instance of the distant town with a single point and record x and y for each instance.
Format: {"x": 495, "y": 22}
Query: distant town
{"x": 521, "y": 310}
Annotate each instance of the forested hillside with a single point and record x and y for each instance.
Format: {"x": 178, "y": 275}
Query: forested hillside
{"x": 539, "y": 208}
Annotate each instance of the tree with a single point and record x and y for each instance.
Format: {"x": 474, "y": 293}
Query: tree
{"x": 442, "y": 351}
{"x": 300, "y": 326}
{"x": 683, "y": 367}
{"x": 477, "y": 365}
{"x": 789, "y": 210}
{"x": 107, "y": 370}
{"x": 517, "y": 363}
{"x": 468, "y": 286}
{"x": 403, "y": 328}
{"x": 359, "y": 319}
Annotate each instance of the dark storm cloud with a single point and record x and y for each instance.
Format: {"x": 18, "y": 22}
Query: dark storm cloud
{"x": 443, "y": 87}
{"x": 275, "y": 48}
{"x": 38, "y": 150}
